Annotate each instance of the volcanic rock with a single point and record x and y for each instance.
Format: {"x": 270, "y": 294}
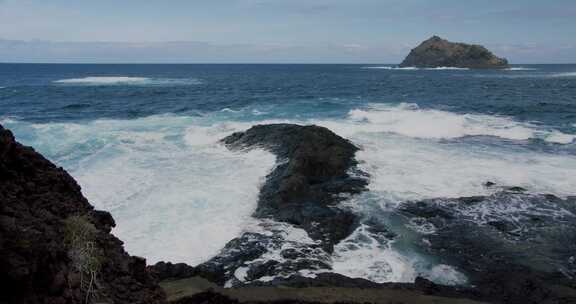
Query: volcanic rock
{"x": 315, "y": 171}
{"x": 437, "y": 52}
{"x": 52, "y": 240}
{"x": 514, "y": 246}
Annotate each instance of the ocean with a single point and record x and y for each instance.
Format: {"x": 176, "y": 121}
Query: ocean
{"x": 142, "y": 141}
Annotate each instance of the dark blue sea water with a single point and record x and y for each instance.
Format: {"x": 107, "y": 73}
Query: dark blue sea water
{"x": 142, "y": 142}
{"x": 544, "y": 94}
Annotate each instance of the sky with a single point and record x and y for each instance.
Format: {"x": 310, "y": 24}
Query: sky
{"x": 279, "y": 31}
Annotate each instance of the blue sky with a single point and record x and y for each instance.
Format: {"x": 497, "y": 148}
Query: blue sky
{"x": 355, "y": 31}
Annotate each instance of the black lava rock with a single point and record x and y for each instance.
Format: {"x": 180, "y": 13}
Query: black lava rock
{"x": 437, "y": 52}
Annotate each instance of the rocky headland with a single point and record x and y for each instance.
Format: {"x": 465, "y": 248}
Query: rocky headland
{"x": 437, "y": 52}
{"x": 55, "y": 248}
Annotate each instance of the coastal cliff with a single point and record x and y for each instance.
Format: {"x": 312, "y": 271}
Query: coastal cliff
{"x": 437, "y": 52}
{"x": 54, "y": 247}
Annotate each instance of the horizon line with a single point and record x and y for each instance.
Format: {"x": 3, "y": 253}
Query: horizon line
{"x": 254, "y": 63}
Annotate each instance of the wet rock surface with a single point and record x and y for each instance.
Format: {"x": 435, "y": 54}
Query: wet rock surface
{"x": 515, "y": 247}
{"x": 167, "y": 270}
{"x": 437, "y": 52}
{"x": 312, "y": 176}
{"x": 38, "y": 264}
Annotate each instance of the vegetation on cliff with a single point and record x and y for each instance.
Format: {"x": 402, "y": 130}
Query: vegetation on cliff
{"x": 437, "y": 52}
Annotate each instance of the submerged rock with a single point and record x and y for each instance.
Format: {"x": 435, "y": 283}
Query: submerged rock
{"x": 437, "y": 52}
{"x": 512, "y": 245}
{"x": 53, "y": 242}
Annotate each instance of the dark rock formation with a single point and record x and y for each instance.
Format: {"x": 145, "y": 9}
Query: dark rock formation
{"x": 437, "y": 52}
{"x": 312, "y": 174}
{"x": 52, "y": 240}
{"x": 515, "y": 247}
{"x": 168, "y": 271}
{"x": 311, "y": 177}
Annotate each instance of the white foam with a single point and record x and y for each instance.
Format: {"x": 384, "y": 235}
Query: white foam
{"x": 446, "y": 275}
{"x": 125, "y": 80}
{"x": 560, "y": 138}
{"x": 175, "y": 195}
{"x": 409, "y": 120}
{"x": 288, "y": 232}
{"x": 567, "y": 74}
{"x": 404, "y": 151}
{"x": 362, "y": 256}
{"x": 8, "y": 120}
{"x": 512, "y": 210}
{"x": 292, "y": 238}
{"x": 415, "y": 68}
{"x": 520, "y": 69}
{"x": 229, "y": 110}
{"x": 103, "y": 80}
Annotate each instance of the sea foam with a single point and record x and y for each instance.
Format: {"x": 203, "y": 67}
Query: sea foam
{"x": 417, "y": 69}
{"x": 409, "y": 120}
{"x": 362, "y": 256}
{"x": 125, "y": 80}
{"x": 567, "y": 74}
{"x": 175, "y": 193}
{"x": 520, "y": 69}
{"x": 178, "y": 195}
{"x": 103, "y": 80}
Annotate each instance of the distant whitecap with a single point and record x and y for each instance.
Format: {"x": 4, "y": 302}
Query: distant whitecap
{"x": 125, "y": 80}
{"x": 520, "y": 69}
{"x": 416, "y": 69}
{"x": 567, "y": 74}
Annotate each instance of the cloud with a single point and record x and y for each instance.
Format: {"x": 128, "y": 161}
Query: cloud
{"x": 190, "y": 51}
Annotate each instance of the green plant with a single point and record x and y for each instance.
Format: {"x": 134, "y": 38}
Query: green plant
{"x": 80, "y": 239}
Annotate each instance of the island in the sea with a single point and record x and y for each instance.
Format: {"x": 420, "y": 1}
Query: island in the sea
{"x": 437, "y": 52}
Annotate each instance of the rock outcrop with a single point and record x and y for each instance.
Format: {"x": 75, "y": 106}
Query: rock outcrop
{"x": 54, "y": 247}
{"x": 313, "y": 174}
{"x": 437, "y": 52}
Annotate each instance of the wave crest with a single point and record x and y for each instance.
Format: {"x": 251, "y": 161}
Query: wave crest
{"x": 126, "y": 80}
{"x": 416, "y": 69}
{"x": 409, "y": 120}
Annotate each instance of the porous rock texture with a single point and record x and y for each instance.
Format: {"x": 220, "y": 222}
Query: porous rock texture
{"x": 437, "y": 52}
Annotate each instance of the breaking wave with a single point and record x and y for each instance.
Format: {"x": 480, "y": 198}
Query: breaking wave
{"x": 409, "y": 120}
{"x": 171, "y": 186}
{"x": 416, "y": 69}
{"x": 520, "y": 69}
{"x": 567, "y": 74}
{"x": 125, "y": 80}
